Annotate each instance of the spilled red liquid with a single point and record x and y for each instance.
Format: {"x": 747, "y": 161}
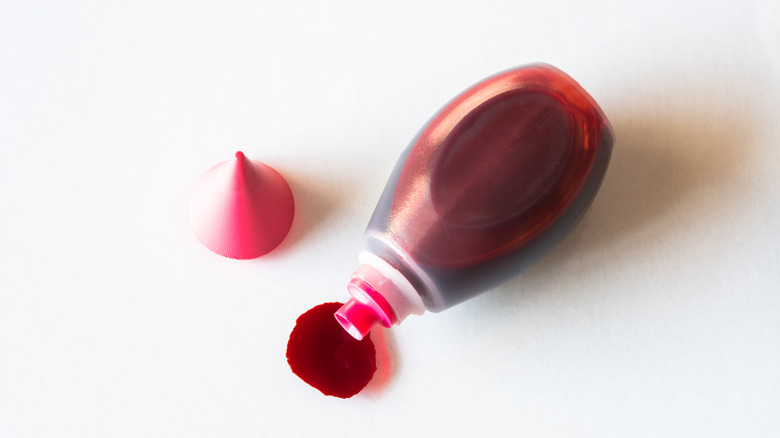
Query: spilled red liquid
{"x": 326, "y": 357}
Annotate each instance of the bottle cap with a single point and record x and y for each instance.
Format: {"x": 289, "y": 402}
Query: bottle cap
{"x": 241, "y": 208}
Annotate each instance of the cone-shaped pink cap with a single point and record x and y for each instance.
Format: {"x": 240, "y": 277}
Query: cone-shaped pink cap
{"x": 241, "y": 208}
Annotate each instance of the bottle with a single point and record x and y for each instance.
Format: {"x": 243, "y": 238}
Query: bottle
{"x": 496, "y": 179}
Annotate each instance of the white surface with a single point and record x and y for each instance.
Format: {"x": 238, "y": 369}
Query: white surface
{"x": 659, "y": 316}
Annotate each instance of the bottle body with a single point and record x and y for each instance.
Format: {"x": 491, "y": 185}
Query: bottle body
{"x": 490, "y": 184}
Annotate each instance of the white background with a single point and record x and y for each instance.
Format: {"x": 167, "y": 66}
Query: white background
{"x": 658, "y": 316}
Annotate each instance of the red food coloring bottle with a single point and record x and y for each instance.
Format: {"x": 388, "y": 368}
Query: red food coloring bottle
{"x": 496, "y": 179}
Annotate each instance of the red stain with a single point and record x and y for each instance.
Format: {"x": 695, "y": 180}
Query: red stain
{"x": 328, "y": 358}
{"x": 386, "y": 363}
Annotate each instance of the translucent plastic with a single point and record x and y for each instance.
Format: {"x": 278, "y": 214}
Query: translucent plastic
{"x": 491, "y": 183}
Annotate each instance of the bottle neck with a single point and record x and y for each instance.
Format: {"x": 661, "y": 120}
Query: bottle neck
{"x": 380, "y": 295}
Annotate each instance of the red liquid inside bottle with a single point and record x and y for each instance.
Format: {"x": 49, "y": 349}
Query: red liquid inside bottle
{"x": 496, "y": 179}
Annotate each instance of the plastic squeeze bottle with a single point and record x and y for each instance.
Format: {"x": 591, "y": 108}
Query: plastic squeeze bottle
{"x": 496, "y": 179}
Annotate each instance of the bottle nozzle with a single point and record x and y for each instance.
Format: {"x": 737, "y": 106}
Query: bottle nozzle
{"x": 379, "y": 295}
{"x": 365, "y": 309}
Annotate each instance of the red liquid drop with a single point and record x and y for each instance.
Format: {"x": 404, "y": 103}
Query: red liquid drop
{"x": 326, "y": 357}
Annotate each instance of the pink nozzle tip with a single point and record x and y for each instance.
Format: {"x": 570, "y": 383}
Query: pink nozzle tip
{"x": 365, "y": 309}
{"x": 241, "y": 208}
